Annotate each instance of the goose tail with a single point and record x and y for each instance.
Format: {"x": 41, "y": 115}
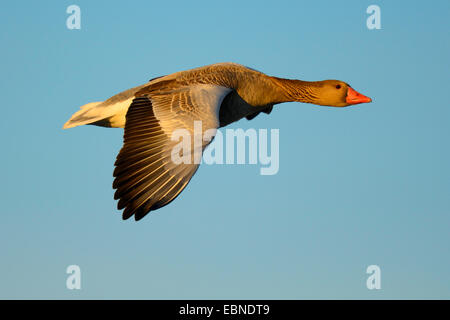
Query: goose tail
{"x": 88, "y": 114}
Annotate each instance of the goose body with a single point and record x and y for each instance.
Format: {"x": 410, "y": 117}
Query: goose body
{"x": 146, "y": 178}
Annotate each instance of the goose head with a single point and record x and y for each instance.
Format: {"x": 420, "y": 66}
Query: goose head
{"x": 336, "y": 93}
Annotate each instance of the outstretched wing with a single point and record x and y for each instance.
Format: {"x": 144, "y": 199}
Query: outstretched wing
{"x": 146, "y": 175}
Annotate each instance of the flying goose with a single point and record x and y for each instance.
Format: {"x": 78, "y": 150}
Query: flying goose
{"x": 145, "y": 176}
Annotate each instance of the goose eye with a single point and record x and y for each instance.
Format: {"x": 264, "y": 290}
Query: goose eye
{"x": 338, "y": 86}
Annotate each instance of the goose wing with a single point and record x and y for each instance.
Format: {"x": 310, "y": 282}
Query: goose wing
{"x": 146, "y": 175}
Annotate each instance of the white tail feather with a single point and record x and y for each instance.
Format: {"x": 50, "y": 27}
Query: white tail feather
{"x": 100, "y": 114}
{"x": 87, "y": 114}
{"x": 109, "y": 113}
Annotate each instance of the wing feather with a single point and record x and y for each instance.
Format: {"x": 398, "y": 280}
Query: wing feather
{"x": 146, "y": 178}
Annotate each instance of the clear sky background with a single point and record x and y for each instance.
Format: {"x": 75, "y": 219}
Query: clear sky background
{"x": 357, "y": 186}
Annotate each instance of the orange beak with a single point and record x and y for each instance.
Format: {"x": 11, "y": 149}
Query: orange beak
{"x": 354, "y": 97}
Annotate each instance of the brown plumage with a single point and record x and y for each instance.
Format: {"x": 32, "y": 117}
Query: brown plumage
{"x": 146, "y": 177}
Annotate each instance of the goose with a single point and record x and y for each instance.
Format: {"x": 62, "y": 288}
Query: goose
{"x": 145, "y": 177}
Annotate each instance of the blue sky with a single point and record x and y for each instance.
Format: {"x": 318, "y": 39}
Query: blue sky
{"x": 357, "y": 186}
